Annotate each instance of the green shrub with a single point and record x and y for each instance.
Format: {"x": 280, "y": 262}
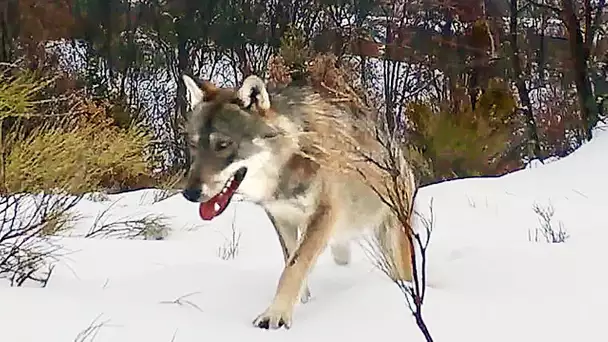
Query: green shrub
{"x": 295, "y": 52}
{"x": 80, "y": 151}
{"x": 457, "y": 141}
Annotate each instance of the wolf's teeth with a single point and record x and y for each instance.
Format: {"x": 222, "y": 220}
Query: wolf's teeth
{"x": 216, "y": 207}
{"x": 224, "y": 190}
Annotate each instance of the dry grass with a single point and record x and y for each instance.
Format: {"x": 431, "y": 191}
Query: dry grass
{"x": 547, "y": 228}
{"x": 76, "y": 151}
{"x": 147, "y": 227}
{"x": 230, "y": 248}
{"x": 168, "y": 187}
{"x": 74, "y": 157}
{"x": 90, "y": 333}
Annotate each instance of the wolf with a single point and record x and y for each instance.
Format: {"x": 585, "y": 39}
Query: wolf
{"x": 245, "y": 140}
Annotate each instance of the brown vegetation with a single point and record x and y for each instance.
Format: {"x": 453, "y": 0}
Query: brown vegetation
{"x": 438, "y": 86}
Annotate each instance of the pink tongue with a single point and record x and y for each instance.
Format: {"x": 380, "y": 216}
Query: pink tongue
{"x": 207, "y": 210}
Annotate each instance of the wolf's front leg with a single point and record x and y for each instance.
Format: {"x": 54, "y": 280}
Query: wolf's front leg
{"x": 287, "y": 232}
{"x": 314, "y": 241}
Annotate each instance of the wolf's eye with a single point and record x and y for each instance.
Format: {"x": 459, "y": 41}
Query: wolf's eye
{"x": 192, "y": 144}
{"x": 222, "y": 145}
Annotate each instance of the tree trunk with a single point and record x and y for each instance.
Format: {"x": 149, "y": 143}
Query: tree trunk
{"x": 580, "y": 55}
{"x": 535, "y": 150}
{"x": 182, "y": 67}
{"x": 8, "y": 30}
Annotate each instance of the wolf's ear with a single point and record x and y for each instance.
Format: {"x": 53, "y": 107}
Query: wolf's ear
{"x": 205, "y": 92}
{"x": 253, "y": 91}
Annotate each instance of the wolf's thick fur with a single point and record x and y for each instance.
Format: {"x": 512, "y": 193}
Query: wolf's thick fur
{"x": 295, "y": 147}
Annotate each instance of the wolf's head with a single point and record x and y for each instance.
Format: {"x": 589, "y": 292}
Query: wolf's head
{"x": 233, "y": 144}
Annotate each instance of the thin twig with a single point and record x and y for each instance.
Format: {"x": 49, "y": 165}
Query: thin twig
{"x": 180, "y": 301}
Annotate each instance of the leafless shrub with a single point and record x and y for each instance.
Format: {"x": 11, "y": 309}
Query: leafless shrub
{"x": 546, "y": 227}
{"x": 394, "y": 181}
{"x": 148, "y": 227}
{"x": 58, "y": 221}
{"x": 415, "y": 290}
{"x": 230, "y": 248}
{"x": 26, "y": 225}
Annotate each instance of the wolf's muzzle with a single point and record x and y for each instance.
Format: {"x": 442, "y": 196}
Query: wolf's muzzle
{"x": 192, "y": 195}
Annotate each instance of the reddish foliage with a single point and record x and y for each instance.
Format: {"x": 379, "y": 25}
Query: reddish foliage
{"x": 559, "y": 125}
{"x": 42, "y": 20}
{"x": 39, "y": 22}
{"x": 467, "y": 10}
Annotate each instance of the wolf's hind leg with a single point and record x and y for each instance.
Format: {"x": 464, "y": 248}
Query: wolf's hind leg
{"x": 395, "y": 248}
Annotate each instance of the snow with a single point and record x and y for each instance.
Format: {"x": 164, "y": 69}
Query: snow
{"x": 487, "y": 280}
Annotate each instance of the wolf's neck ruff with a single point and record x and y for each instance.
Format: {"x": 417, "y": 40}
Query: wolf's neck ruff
{"x": 218, "y": 203}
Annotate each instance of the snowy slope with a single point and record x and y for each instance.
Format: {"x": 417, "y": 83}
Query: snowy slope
{"x": 488, "y": 281}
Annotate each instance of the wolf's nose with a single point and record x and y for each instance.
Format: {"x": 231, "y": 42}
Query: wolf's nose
{"x": 192, "y": 195}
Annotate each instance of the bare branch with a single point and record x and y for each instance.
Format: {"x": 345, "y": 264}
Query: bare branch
{"x": 181, "y": 301}
{"x": 90, "y": 333}
{"x": 151, "y": 226}
{"x": 27, "y": 223}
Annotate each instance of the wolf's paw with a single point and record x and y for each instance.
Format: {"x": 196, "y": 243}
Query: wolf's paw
{"x": 305, "y": 295}
{"x": 273, "y": 319}
{"x": 341, "y": 253}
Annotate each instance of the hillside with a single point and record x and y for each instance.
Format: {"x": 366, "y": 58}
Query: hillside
{"x": 489, "y": 280}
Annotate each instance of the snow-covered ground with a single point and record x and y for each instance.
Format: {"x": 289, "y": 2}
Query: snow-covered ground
{"x": 488, "y": 279}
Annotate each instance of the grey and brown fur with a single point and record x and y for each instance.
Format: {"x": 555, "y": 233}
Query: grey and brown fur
{"x": 311, "y": 206}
